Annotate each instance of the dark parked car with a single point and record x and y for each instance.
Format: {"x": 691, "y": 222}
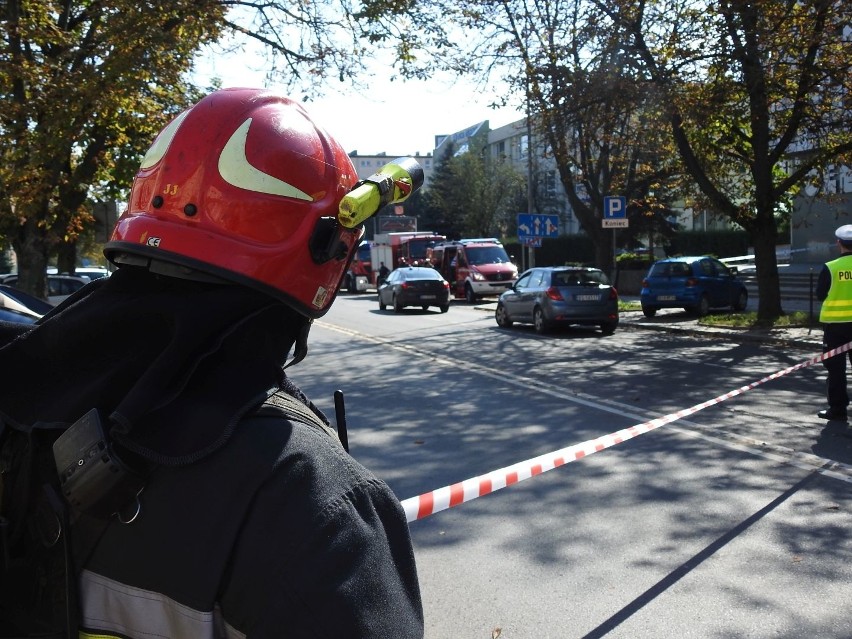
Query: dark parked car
{"x": 30, "y": 303}
{"x": 549, "y": 296}
{"x": 696, "y": 284}
{"x": 18, "y": 317}
{"x": 14, "y": 310}
{"x": 414, "y": 286}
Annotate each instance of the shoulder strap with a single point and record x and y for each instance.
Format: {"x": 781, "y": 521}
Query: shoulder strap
{"x": 292, "y": 408}
{"x": 38, "y": 593}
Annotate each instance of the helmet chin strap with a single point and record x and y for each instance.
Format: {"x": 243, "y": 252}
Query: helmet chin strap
{"x": 300, "y": 346}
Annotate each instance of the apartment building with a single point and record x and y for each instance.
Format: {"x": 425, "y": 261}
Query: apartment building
{"x": 366, "y": 165}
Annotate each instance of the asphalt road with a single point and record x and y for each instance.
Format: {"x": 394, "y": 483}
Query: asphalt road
{"x": 734, "y": 520}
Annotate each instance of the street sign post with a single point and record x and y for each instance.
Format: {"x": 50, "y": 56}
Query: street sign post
{"x": 614, "y": 217}
{"x": 532, "y": 228}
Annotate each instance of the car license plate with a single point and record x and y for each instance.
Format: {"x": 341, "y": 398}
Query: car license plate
{"x": 587, "y": 298}
{"x": 427, "y": 297}
{"x": 665, "y": 298}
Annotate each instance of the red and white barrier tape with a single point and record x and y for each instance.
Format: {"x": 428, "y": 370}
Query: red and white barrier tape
{"x": 458, "y": 493}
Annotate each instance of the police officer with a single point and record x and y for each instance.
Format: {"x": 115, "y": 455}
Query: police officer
{"x": 834, "y": 289}
{"x": 251, "y": 520}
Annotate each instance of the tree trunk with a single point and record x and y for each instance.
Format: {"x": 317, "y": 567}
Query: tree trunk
{"x": 66, "y": 256}
{"x": 766, "y": 263}
{"x": 31, "y": 248}
{"x": 602, "y": 239}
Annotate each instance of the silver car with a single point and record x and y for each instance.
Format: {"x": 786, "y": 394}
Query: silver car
{"x": 560, "y": 295}
{"x": 59, "y": 287}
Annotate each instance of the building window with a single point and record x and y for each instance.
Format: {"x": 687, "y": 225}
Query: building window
{"x": 550, "y": 184}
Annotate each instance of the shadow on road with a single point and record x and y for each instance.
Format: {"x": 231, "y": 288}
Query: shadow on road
{"x": 835, "y": 442}
{"x": 685, "y": 568}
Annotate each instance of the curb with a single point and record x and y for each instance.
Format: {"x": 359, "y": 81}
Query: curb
{"x": 736, "y": 335}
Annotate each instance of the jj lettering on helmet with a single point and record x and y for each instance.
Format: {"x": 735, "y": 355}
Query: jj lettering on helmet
{"x": 246, "y": 187}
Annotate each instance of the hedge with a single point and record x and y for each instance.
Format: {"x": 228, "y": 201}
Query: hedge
{"x": 577, "y": 249}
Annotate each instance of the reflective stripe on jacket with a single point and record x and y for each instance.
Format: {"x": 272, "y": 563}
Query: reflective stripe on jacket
{"x": 119, "y": 610}
{"x": 837, "y": 306}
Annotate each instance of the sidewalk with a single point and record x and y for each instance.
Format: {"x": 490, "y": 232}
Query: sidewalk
{"x": 676, "y": 320}
{"x": 679, "y": 321}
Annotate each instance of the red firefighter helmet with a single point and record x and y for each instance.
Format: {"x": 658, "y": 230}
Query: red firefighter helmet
{"x": 243, "y": 187}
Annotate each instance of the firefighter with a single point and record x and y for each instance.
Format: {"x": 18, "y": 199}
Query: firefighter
{"x": 384, "y": 271}
{"x": 243, "y": 522}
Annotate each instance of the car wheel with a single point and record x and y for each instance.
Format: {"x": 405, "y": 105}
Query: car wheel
{"x": 607, "y": 328}
{"x": 502, "y": 317}
{"x": 649, "y": 311}
{"x": 352, "y": 284}
{"x": 425, "y": 307}
{"x": 742, "y": 301}
{"x": 702, "y": 308}
{"x": 469, "y": 295}
{"x": 538, "y": 321}
{"x": 445, "y": 308}
{"x": 397, "y": 307}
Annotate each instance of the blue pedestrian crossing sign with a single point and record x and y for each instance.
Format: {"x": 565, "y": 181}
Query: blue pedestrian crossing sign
{"x": 615, "y": 207}
{"x": 531, "y": 225}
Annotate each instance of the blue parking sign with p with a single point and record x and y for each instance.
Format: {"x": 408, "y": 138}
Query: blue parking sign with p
{"x": 615, "y": 207}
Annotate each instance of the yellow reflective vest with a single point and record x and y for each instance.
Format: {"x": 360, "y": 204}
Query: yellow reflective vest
{"x": 837, "y": 306}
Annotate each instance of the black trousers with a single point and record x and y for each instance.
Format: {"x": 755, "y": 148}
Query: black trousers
{"x": 835, "y": 335}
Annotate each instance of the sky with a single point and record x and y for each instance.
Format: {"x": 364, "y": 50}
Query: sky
{"x": 399, "y": 118}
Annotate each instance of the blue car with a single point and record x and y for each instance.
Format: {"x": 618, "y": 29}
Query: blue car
{"x": 696, "y": 284}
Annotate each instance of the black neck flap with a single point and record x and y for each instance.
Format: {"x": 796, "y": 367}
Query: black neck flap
{"x": 172, "y": 364}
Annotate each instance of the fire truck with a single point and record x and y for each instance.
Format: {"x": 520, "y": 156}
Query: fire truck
{"x": 359, "y": 277}
{"x": 399, "y": 249}
{"x": 474, "y": 267}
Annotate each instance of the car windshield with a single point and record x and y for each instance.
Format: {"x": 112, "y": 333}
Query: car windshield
{"x": 486, "y": 255}
{"x": 670, "y": 269}
{"x": 417, "y": 248}
{"x": 363, "y": 253}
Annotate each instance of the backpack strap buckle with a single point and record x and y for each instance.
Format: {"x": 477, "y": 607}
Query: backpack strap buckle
{"x": 92, "y": 477}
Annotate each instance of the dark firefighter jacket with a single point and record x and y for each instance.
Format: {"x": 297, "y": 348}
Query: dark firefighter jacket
{"x": 251, "y": 525}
